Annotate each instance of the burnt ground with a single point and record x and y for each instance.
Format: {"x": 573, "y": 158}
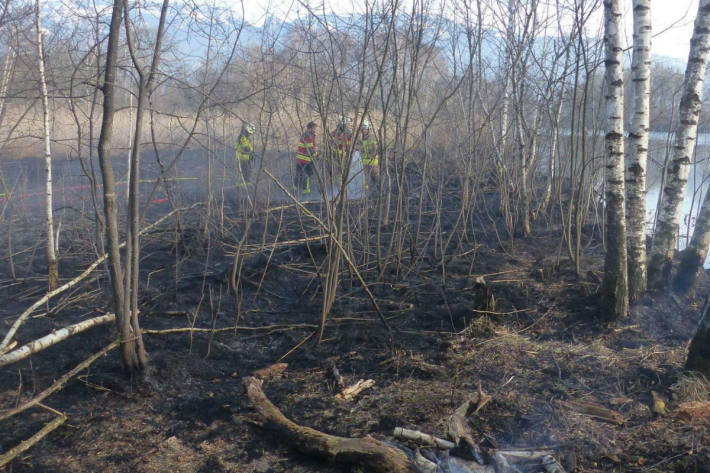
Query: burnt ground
{"x": 543, "y": 349}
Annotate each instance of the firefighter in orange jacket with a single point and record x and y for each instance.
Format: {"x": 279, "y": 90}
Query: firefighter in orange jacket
{"x": 306, "y": 153}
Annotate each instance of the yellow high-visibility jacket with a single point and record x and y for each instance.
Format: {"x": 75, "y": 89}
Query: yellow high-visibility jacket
{"x": 244, "y": 149}
{"x": 307, "y": 149}
{"x": 369, "y": 152}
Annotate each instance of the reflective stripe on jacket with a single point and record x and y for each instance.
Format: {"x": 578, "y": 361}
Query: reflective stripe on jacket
{"x": 244, "y": 148}
{"x": 342, "y": 140}
{"x": 369, "y": 152}
{"x": 306, "y": 148}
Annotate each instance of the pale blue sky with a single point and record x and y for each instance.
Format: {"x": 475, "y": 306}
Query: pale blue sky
{"x": 672, "y": 19}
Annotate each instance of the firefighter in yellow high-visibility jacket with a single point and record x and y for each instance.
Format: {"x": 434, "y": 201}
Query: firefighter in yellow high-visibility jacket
{"x": 369, "y": 154}
{"x": 245, "y": 153}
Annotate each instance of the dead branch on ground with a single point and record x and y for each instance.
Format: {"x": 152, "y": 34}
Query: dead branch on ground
{"x": 68, "y": 285}
{"x": 25, "y": 445}
{"x": 53, "y": 338}
{"x": 458, "y": 429}
{"x": 422, "y": 438}
{"x": 369, "y": 453}
{"x": 349, "y": 392}
{"x": 58, "y": 384}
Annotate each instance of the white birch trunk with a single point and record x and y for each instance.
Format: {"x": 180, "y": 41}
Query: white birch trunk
{"x": 51, "y": 255}
{"x": 694, "y": 256}
{"x": 53, "y": 338}
{"x": 614, "y": 290}
{"x": 6, "y": 73}
{"x": 505, "y": 105}
{"x": 663, "y": 247}
{"x": 638, "y": 149}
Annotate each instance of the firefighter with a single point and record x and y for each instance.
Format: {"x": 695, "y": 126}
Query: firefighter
{"x": 342, "y": 138}
{"x": 305, "y": 155}
{"x": 245, "y": 153}
{"x": 370, "y": 158}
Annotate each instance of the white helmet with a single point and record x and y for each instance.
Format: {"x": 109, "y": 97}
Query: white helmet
{"x": 343, "y": 120}
{"x": 250, "y": 128}
{"x": 366, "y": 124}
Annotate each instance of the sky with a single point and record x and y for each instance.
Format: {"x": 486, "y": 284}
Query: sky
{"x": 672, "y": 19}
{"x": 671, "y": 25}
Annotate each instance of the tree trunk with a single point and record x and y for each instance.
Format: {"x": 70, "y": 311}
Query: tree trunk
{"x": 663, "y": 247}
{"x": 699, "y": 350}
{"x": 638, "y": 150}
{"x": 694, "y": 256}
{"x": 52, "y": 265}
{"x": 129, "y": 353}
{"x": 145, "y": 84}
{"x": 614, "y": 290}
{"x": 7, "y": 72}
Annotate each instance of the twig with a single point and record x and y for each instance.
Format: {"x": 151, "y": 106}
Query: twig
{"x": 27, "y": 444}
{"x": 490, "y": 312}
{"x": 298, "y": 345}
{"x": 349, "y": 393}
{"x": 226, "y": 329}
{"x": 15, "y": 326}
{"x": 665, "y": 460}
{"x": 344, "y": 253}
{"x": 422, "y": 438}
{"x": 59, "y": 383}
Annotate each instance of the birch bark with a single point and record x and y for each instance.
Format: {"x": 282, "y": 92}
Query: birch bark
{"x": 694, "y": 256}
{"x": 638, "y": 150}
{"x": 614, "y": 290}
{"x": 663, "y": 246}
{"x": 52, "y": 265}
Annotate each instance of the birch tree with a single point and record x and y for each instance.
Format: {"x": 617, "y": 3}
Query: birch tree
{"x": 663, "y": 246}
{"x": 52, "y": 265}
{"x": 694, "y": 256}
{"x": 638, "y": 149}
{"x": 614, "y": 290}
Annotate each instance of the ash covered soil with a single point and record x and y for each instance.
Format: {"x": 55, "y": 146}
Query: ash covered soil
{"x": 541, "y": 354}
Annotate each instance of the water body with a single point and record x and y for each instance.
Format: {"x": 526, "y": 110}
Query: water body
{"x": 660, "y": 151}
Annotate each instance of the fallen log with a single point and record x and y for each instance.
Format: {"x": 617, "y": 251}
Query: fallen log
{"x": 53, "y": 338}
{"x": 369, "y": 453}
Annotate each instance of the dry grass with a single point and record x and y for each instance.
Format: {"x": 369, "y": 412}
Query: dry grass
{"x": 691, "y": 387}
